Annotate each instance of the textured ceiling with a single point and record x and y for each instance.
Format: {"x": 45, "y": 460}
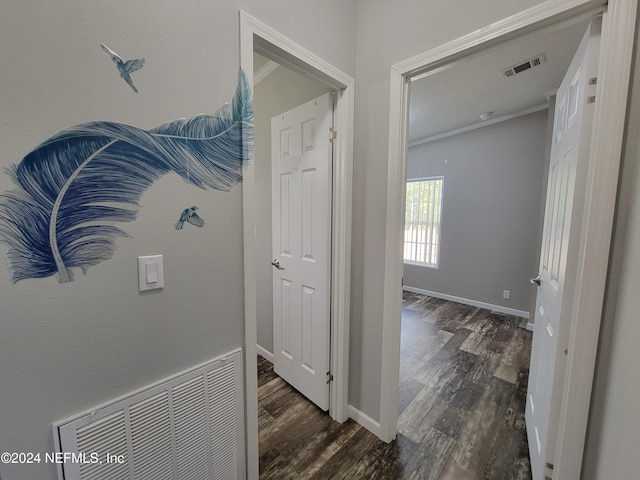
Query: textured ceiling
{"x": 455, "y": 98}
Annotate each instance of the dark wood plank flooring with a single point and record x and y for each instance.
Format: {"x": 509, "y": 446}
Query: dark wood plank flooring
{"x": 463, "y": 381}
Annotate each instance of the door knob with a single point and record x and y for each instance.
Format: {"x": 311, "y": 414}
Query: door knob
{"x": 276, "y": 263}
{"x": 537, "y": 281}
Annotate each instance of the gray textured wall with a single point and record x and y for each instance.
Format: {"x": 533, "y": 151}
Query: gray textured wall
{"x": 493, "y": 179}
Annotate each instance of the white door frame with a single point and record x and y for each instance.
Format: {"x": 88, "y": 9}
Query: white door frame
{"x": 612, "y": 90}
{"x": 255, "y": 35}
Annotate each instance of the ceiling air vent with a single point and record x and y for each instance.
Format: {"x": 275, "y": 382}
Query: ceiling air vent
{"x": 521, "y": 67}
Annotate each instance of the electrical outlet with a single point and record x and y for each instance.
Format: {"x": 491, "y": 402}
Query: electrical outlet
{"x": 506, "y": 294}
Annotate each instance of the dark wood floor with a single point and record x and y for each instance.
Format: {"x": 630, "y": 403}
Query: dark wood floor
{"x": 461, "y": 410}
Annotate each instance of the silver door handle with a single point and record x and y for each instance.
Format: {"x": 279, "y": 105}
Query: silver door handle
{"x": 276, "y": 263}
{"x": 536, "y": 281}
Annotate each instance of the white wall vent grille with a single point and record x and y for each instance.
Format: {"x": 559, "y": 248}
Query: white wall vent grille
{"x": 188, "y": 427}
{"x": 523, "y": 66}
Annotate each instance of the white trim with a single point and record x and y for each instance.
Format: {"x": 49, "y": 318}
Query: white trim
{"x": 609, "y": 116}
{"x": 266, "y": 354}
{"x": 422, "y": 179}
{"x": 256, "y": 36}
{"x": 530, "y": 326}
{"x": 344, "y": 114}
{"x": 474, "y": 126}
{"x": 264, "y": 72}
{"x": 551, "y": 12}
{"x": 249, "y": 258}
{"x": 394, "y": 238}
{"x": 614, "y": 70}
{"x": 468, "y": 301}
{"x": 365, "y": 420}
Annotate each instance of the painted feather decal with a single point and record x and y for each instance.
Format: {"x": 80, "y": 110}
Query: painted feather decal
{"x": 76, "y": 185}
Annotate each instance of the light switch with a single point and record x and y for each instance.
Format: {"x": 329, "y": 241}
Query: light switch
{"x": 150, "y": 273}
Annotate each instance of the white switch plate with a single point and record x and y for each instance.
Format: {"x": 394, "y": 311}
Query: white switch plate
{"x": 506, "y": 294}
{"x": 150, "y": 273}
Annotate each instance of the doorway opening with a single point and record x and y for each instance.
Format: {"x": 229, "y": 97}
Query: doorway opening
{"x": 486, "y": 234}
{"x": 293, "y": 159}
{"x": 613, "y": 76}
{"x": 465, "y": 311}
{"x": 256, "y": 37}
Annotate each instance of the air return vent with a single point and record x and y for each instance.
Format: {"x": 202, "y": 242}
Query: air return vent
{"x": 523, "y": 66}
{"x": 188, "y": 427}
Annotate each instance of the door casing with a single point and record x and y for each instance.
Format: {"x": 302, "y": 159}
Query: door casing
{"x": 617, "y": 43}
{"x": 256, "y": 36}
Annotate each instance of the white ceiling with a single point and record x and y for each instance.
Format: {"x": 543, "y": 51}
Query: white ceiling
{"x": 455, "y": 98}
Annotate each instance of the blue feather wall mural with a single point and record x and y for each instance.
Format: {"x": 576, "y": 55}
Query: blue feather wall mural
{"x": 75, "y": 186}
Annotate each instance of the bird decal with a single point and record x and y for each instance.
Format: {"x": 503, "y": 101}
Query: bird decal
{"x": 125, "y": 68}
{"x": 189, "y": 215}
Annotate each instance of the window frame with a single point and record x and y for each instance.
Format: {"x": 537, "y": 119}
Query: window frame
{"x": 437, "y": 243}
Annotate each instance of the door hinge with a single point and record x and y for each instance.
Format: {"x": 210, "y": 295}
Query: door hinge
{"x": 549, "y": 472}
{"x": 332, "y": 134}
{"x": 591, "y": 99}
{"x": 329, "y": 377}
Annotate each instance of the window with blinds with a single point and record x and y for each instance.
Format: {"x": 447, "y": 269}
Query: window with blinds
{"x": 422, "y": 221}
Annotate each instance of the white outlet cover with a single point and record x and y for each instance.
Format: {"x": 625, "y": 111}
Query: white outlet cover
{"x": 150, "y": 273}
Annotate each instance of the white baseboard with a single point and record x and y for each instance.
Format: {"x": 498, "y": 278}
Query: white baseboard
{"x": 365, "y": 420}
{"x": 466, "y": 301}
{"x": 530, "y": 326}
{"x": 265, "y": 353}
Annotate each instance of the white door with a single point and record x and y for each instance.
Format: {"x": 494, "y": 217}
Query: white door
{"x": 561, "y": 235}
{"x": 301, "y": 158}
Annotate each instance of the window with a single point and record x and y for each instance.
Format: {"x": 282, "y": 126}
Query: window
{"x": 422, "y": 222}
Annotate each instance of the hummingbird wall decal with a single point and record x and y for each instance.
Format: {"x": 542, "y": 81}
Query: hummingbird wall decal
{"x": 189, "y": 215}
{"x": 126, "y": 68}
